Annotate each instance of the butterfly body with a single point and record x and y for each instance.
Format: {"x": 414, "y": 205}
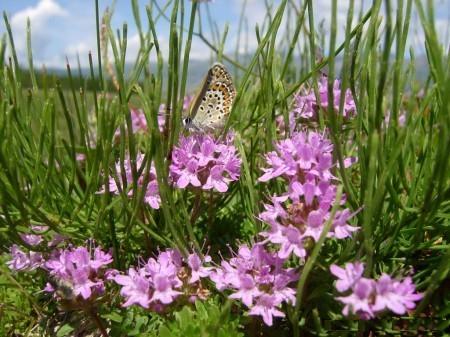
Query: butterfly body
{"x": 213, "y": 104}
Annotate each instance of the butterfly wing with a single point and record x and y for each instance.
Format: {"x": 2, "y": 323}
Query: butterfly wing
{"x": 214, "y": 101}
{"x": 195, "y": 103}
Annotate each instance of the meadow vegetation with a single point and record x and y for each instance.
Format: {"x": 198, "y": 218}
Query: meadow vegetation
{"x": 322, "y": 207}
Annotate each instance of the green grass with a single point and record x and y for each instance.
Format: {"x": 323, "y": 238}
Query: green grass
{"x": 401, "y": 182}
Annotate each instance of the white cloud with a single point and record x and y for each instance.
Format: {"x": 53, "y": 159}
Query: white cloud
{"x": 78, "y": 48}
{"x": 199, "y": 50}
{"x": 67, "y": 31}
{"x": 72, "y": 51}
{"x": 39, "y": 16}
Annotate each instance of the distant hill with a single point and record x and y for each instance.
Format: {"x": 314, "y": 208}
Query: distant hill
{"x": 196, "y": 72}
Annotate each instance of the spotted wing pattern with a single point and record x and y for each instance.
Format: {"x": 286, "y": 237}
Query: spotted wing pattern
{"x": 214, "y": 102}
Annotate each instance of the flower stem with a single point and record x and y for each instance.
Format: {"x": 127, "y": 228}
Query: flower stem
{"x": 196, "y": 207}
{"x": 98, "y": 322}
{"x": 310, "y": 262}
{"x": 194, "y": 216}
{"x": 210, "y": 211}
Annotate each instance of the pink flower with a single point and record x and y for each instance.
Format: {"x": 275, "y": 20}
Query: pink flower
{"x": 348, "y": 276}
{"x": 188, "y": 175}
{"x": 79, "y": 270}
{"x": 201, "y": 161}
{"x": 266, "y": 307}
{"x": 359, "y": 301}
{"x": 34, "y": 239}
{"x": 163, "y": 291}
{"x": 31, "y": 239}
{"x": 304, "y": 162}
{"x": 258, "y": 279}
{"x": 135, "y": 288}
{"x": 247, "y": 290}
{"x": 307, "y": 106}
{"x": 217, "y": 179}
{"x": 151, "y": 196}
{"x": 197, "y": 269}
{"x": 368, "y": 297}
{"x": 22, "y": 261}
{"x": 292, "y": 242}
{"x": 138, "y": 122}
{"x": 397, "y": 296}
{"x": 305, "y": 153}
{"x": 401, "y": 121}
{"x": 162, "y": 280}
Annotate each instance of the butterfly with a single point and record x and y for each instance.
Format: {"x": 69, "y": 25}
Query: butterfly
{"x": 212, "y": 105}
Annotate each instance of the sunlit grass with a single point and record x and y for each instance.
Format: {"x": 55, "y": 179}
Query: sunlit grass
{"x": 400, "y": 185}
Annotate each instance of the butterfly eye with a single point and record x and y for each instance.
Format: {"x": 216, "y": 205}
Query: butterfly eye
{"x": 187, "y": 121}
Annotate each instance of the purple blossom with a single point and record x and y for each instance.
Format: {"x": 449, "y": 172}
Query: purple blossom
{"x": 359, "y": 302}
{"x": 258, "y": 279}
{"x": 296, "y": 157}
{"x": 304, "y": 161}
{"x": 247, "y": 290}
{"x": 348, "y": 276}
{"x": 368, "y": 297}
{"x": 151, "y": 196}
{"x": 266, "y": 306}
{"x": 401, "y": 121}
{"x": 31, "y": 239}
{"x": 397, "y": 296}
{"x": 161, "y": 280}
{"x": 349, "y": 161}
{"x": 163, "y": 291}
{"x": 293, "y": 222}
{"x": 56, "y": 240}
{"x": 139, "y": 121}
{"x": 34, "y": 239}
{"x": 80, "y": 270}
{"x": 187, "y": 102}
{"x": 307, "y": 106}
{"x": 135, "y": 288}
{"x": 201, "y": 161}
{"x": 197, "y": 269}
{"x": 217, "y": 179}
{"x": 22, "y": 261}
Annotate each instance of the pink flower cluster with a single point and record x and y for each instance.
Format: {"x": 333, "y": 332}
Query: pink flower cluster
{"x": 163, "y": 279}
{"x": 202, "y": 161}
{"x": 304, "y": 161}
{"x": 27, "y": 261}
{"x": 33, "y": 239}
{"x": 78, "y": 270}
{"x": 125, "y": 176}
{"x": 139, "y": 121}
{"x": 24, "y": 261}
{"x": 368, "y": 297}
{"x": 401, "y": 121}
{"x": 258, "y": 279}
{"x": 307, "y": 106}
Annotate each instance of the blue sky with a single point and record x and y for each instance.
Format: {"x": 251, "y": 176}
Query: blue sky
{"x": 63, "y": 28}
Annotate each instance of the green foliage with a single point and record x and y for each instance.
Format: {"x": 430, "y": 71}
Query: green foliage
{"x": 133, "y": 322}
{"x": 400, "y": 185}
{"x": 207, "y": 320}
{"x": 15, "y": 310}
